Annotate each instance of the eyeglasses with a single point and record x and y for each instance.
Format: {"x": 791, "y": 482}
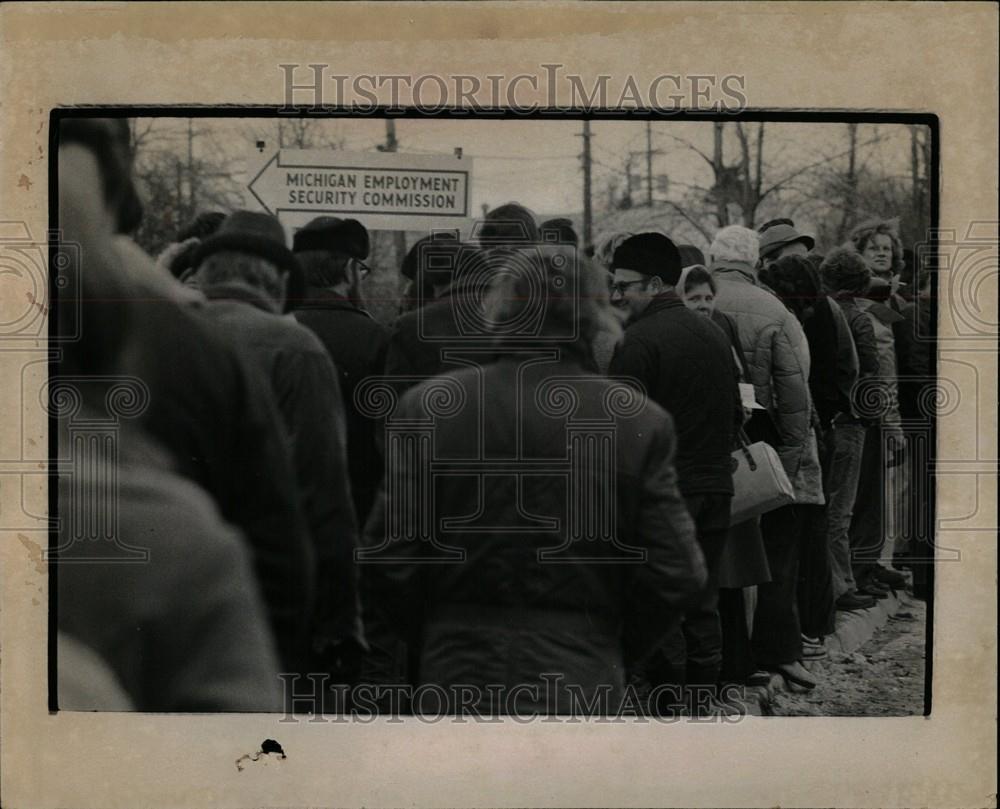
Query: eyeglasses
{"x": 363, "y": 269}
{"x": 621, "y": 286}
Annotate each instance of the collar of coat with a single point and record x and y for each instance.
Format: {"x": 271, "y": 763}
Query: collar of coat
{"x": 661, "y": 302}
{"x": 327, "y": 299}
{"x": 736, "y": 271}
{"x": 234, "y": 291}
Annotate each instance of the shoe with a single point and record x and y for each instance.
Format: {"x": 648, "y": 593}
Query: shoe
{"x": 893, "y": 578}
{"x": 853, "y": 600}
{"x": 871, "y": 589}
{"x": 814, "y": 651}
{"x": 759, "y": 679}
{"x": 796, "y": 674}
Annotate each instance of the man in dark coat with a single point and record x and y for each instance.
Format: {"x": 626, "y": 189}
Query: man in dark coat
{"x": 552, "y": 549}
{"x": 208, "y": 406}
{"x": 684, "y": 362}
{"x": 245, "y": 270}
{"x": 437, "y": 334}
{"x": 331, "y": 252}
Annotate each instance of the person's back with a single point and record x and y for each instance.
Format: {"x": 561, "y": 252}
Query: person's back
{"x": 213, "y": 412}
{"x": 304, "y": 382}
{"x": 777, "y": 356}
{"x": 686, "y": 365}
{"x": 420, "y": 340}
{"x": 555, "y": 576}
{"x": 357, "y": 344}
{"x": 184, "y": 630}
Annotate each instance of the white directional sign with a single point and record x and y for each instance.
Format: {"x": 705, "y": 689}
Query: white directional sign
{"x": 385, "y": 191}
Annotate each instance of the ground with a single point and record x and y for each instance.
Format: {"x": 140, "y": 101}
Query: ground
{"x": 885, "y": 677}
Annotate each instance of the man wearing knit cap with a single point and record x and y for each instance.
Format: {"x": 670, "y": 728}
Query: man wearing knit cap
{"x": 332, "y": 252}
{"x": 683, "y": 361}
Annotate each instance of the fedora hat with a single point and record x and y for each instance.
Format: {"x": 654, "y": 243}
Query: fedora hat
{"x": 779, "y": 235}
{"x": 258, "y": 234}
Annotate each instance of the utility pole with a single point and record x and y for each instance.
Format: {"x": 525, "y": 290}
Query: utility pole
{"x": 587, "y": 214}
{"x": 391, "y": 145}
{"x": 192, "y": 180}
{"x": 649, "y": 163}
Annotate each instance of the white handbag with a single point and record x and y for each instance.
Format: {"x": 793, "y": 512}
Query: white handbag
{"x": 760, "y": 484}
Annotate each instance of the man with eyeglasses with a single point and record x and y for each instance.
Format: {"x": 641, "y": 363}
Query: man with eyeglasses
{"x": 684, "y": 363}
{"x": 332, "y": 253}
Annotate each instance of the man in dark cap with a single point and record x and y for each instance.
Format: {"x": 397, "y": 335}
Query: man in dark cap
{"x": 331, "y": 252}
{"x": 245, "y": 271}
{"x": 684, "y": 363}
{"x": 454, "y": 274}
{"x": 779, "y": 238}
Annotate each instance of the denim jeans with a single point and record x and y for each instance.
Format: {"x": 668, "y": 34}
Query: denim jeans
{"x": 692, "y": 653}
{"x": 846, "y": 443}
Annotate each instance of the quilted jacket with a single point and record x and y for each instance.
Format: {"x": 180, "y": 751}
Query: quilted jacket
{"x": 777, "y": 355}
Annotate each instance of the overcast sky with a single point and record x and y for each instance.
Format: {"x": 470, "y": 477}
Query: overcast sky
{"x": 537, "y": 162}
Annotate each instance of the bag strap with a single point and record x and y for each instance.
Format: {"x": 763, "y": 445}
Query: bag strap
{"x": 745, "y": 446}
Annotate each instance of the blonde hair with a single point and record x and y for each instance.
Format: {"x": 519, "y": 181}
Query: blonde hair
{"x": 735, "y": 243}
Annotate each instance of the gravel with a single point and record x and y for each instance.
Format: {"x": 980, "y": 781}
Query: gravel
{"x": 885, "y": 677}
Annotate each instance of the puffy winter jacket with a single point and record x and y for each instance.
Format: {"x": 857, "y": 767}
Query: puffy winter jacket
{"x": 530, "y": 524}
{"x": 778, "y": 357}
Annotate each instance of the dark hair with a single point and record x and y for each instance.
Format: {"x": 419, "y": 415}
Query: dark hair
{"x": 508, "y": 223}
{"x": 845, "y": 271}
{"x": 690, "y": 255}
{"x": 697, "y": 275}
{"x": 558, "y": 230}
{"x": 795, "y": 283}
{"x": 323, "y": 269}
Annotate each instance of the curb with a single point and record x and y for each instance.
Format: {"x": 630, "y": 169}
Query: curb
{"x": 852, "y": 631}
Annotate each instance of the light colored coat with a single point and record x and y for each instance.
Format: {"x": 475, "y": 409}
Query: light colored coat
{"x": 777, "y": 356}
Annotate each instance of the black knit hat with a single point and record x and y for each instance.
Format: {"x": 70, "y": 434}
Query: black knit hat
{"x": 258, "y": 234}
{"x": 690, "y": 255}
{"x": 333, "y": 235}
{"x": 649, "y": 254}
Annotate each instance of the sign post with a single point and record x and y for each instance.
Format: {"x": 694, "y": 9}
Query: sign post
{"x": 383, "y": 190}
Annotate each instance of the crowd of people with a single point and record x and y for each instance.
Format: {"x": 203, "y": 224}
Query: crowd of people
{"x": 516, "y": 497}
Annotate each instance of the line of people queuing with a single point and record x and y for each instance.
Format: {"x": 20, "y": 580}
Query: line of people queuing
{"x": 293, "y": 528}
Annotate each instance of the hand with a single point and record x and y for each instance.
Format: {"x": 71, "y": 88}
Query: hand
{"x": 166, "y": 258}
{"x": 896, "y": 451}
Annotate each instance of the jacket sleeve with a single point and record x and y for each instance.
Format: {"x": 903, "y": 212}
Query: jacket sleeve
{"x": 847, "y": 355}
{"x": 633, "y": 361}
{"x": 791, "y": 405}
{"x": 270, "y": 512}
{"x": 314, "y": 410}
{"x": 674, "y": 572}
{"x": 215, "y": 647}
